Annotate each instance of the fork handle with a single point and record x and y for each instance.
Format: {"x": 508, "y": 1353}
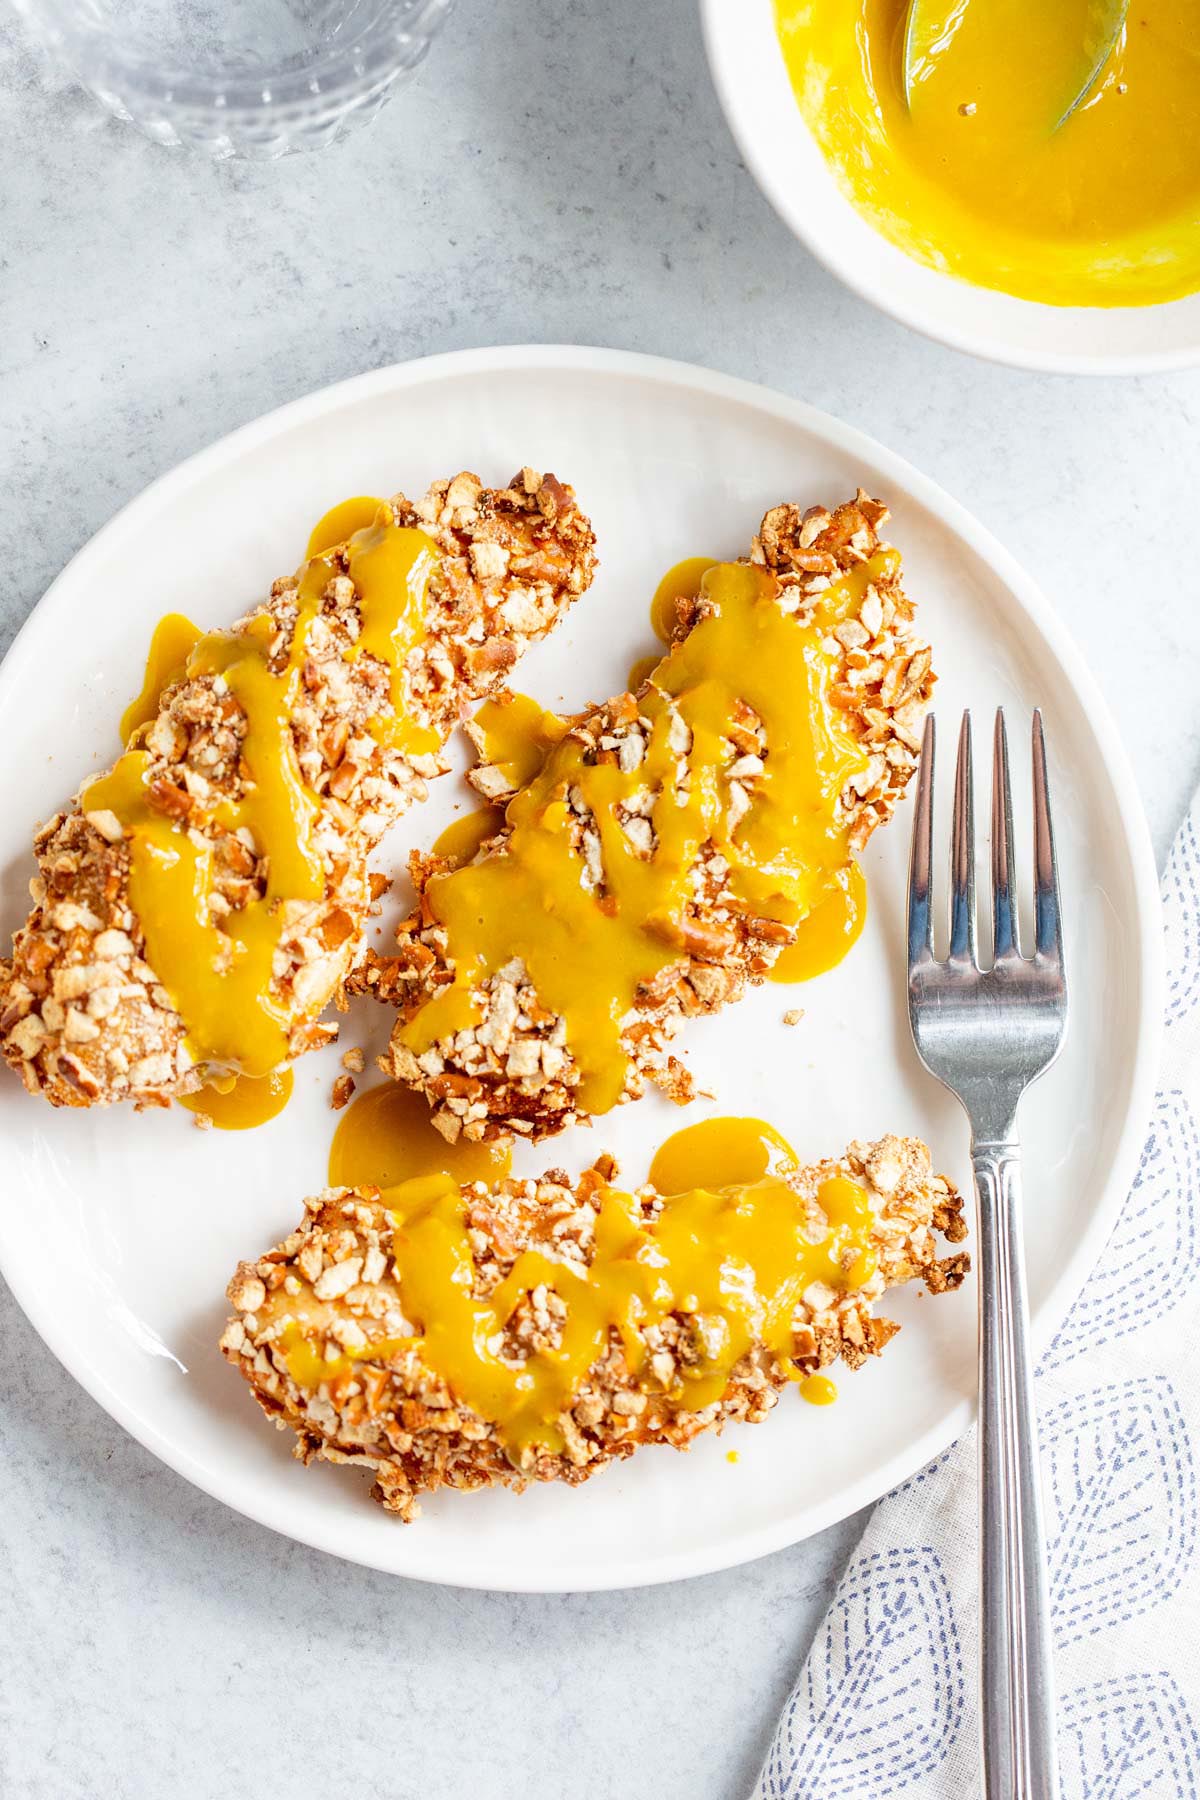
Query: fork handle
{"x": 1017, "y": 1690}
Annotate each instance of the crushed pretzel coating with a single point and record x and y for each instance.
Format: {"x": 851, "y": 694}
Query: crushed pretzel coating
{"x": 392, "y": 1413}
{"x": 83, "y": 1017}
{"x": 514, "y": 1072}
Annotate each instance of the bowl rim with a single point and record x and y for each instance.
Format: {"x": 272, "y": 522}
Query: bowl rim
{"x": 723, "y": 24}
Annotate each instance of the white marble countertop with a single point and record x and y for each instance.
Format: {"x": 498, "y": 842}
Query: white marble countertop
{"x": 561, "y": 173}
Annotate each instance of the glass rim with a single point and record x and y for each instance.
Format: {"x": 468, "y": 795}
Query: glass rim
{"x": 358, "y": 70}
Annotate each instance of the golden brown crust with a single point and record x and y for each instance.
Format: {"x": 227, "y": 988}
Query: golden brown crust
{"x": 503, "y": 1078}
{"x": 82, "y": 1016}
{"x": 394, "y": 1415}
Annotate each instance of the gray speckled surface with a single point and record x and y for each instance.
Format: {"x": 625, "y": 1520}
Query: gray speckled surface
{"x": 556, "y": 172}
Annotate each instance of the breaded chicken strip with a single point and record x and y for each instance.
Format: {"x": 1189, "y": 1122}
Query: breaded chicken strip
{"x": 197, "y": 907}
{"x": 539, "y": 1331}
{"x": 671, "y": 843}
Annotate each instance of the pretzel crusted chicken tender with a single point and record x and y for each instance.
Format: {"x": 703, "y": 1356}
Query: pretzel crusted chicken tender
{"x": 197, "y": 906}
{"x": 447, "y": 1337}
{"x": 671, "y": 843}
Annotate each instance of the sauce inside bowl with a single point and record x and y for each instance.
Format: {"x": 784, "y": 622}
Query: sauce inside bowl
{"x": 1048, "y": 150}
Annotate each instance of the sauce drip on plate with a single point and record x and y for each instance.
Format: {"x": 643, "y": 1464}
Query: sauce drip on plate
{"x": 828, "y": 934}
{"x": 241, "y": 1102}
{"x": 386, "y": 1136}
{"x": 720, "y": 1152}
{"x": 462, "y": 837}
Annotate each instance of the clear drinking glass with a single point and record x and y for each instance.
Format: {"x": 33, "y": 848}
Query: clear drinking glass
{"x": 255, "y": 78}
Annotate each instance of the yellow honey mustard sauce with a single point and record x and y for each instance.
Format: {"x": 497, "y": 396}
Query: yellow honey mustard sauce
{"x": 829, "y": 933}
{"x": 818, "y": 1390}
{"x": 173, "y": 640}
{"x": 1049, "y": 148}
{"x": 342, "y": 521}
{"x": 386, "y": 1136}
{"x": 719, "y": 1153}
{"x": 587, "y": 954}
{"x": 517, "y": 735}
{"x": 641, "y": 670}
{"x": 241, "y": 1102}
{"x": 737, "y": 1259}
{"x": 682, "y": 581}
{"x": 461, "y": 839}
{"x": 220, "y": 980}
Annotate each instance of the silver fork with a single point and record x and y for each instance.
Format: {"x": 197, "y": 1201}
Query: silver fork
{"x": 987, "y": 1035}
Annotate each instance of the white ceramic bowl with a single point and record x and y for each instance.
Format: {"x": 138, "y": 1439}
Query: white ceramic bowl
{"x": 754, "y": 89}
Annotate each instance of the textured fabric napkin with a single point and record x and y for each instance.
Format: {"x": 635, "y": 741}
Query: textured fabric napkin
{"x": 886, "y": 1702}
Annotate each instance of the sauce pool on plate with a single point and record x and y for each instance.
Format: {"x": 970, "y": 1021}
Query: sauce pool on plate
{"x": 386, "y": 1136}
{"x": 241, "y": 1102}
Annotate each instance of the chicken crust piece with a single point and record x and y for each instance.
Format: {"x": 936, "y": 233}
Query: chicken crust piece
{"x": 321, "y": 1331}
{"x": 514, "y": 1071}
{"x": 84, "y": 1017}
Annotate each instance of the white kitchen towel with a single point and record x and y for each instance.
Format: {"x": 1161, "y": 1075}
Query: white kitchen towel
{"x": 886, "y": 1703}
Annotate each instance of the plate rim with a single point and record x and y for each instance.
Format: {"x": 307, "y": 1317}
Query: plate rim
{"x": 747, "y": 1545}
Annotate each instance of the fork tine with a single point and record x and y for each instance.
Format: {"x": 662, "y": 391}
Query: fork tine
{"x": 920, "y": 922}
{"x": 962, "y": 854}
{"x": 1004, "y": 919}
{"x": 1045, "y": 863}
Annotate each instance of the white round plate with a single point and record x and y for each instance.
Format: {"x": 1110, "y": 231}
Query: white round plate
{"x": 118, "y": 1232}
{"x": 781, "y": 153}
